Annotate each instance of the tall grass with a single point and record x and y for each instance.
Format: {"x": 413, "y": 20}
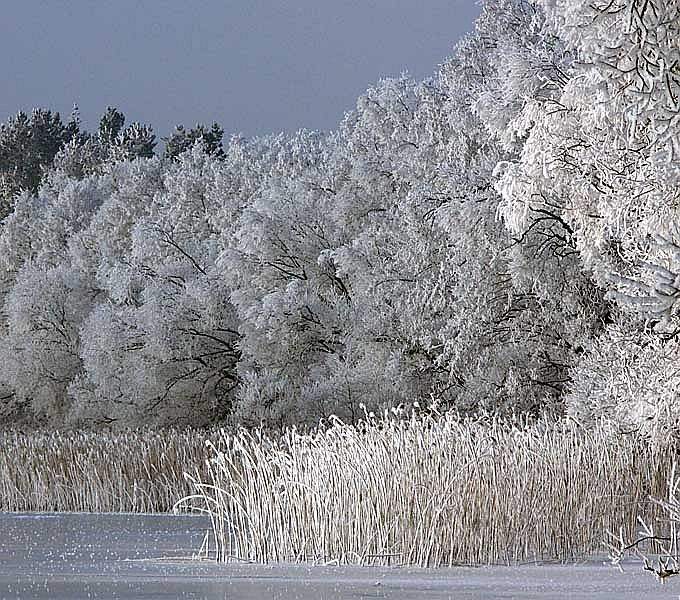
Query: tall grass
{"x": 428, "y": 490}
{"x": 137, "y": 471}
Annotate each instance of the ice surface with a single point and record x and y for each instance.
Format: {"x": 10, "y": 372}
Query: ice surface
{"x": 78, "y": 556}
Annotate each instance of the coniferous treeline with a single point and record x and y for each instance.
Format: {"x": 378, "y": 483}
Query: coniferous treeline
{"x": 499, "y": 237}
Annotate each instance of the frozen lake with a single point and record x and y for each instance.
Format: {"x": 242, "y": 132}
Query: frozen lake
{"x": 79, "y": 556}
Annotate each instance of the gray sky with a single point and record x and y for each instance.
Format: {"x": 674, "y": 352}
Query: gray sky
{"x": 254, "y": 66}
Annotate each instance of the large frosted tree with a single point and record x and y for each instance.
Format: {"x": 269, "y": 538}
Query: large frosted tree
{"x": 600, "y": 161}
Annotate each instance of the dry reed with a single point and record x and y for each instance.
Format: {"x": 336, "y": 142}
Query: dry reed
{"x": 427, "y": 490}
{"x": 136, "y": 471}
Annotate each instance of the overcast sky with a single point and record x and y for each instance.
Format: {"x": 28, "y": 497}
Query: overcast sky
{"x": 254, "y": 66}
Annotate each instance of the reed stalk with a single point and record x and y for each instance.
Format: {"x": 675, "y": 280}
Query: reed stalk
{"x": 427, "y": 490}
{"x": 132, "y": 471}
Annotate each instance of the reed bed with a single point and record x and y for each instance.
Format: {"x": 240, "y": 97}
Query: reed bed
{"x": 135, "y": 471}
{"x": 428, "y": 490}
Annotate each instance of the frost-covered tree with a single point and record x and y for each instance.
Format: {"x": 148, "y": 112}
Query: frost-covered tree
{"x": 45, "y": 296}
{"x": 290, "y": 316}
{"x": 114, "y": 311}
{"x": 88, "y": 154}
{"x": 598, "y": 162}
{"x": 378, "y": 272}
{"x": 41, "y": 350}
{"x": 507, "y": 335}
{"x": 499, "y": 237}
{"x": 163, "y": 347}
{"x": 80, "y": 157}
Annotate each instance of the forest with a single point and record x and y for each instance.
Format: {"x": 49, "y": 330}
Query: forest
{"x": 499, "y": 238}
{"x": 446, "y": 332}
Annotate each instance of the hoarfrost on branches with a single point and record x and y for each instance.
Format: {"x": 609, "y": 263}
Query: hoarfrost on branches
{"x": 501, "y": 236}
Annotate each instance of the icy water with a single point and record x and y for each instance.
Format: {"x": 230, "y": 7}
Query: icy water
{"x": 126, "y": 557}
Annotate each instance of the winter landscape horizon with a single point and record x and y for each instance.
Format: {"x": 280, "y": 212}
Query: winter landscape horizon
{"x": 428, "y": 349}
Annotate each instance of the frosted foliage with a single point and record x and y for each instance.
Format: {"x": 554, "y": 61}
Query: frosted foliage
{"x": 79, "y": 158}
{"x": 417, "y": 260}
{"x": 328, "y": 266}
{"x": 105, "y": 247}
{"x": 19, "y": 238}
{"x": 636, "y": 45}
{"x": 167, "y": 348}
{"x": 593, "y": 183}
{"x": 602, "y": 155}
{"x": 122, "y": 376}
{"x": 343, "y": 385}
{"x": 524, "y": 308}
{"x": 599, "y": 164}
{"x": 151, "y": 365}
{"x": 631, "y": 378}
{"x": 290, "y": 303}
{"x": 529, "y": 61}
{"x": 500, "y": 237}
{"x": 40, "y": 351}
{"x": 655, "y": 294}
{"x": 116, "y": 271}
{"x": 39, "y": 229}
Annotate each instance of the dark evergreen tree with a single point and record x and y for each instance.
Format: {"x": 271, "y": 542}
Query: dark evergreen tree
{"x": 28, "y": 145}
{"x": 110, "y": 125}
{"x": 125, "y": 143}
{"x": 135, "y": 141}
{"x": 182, "y": 140}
